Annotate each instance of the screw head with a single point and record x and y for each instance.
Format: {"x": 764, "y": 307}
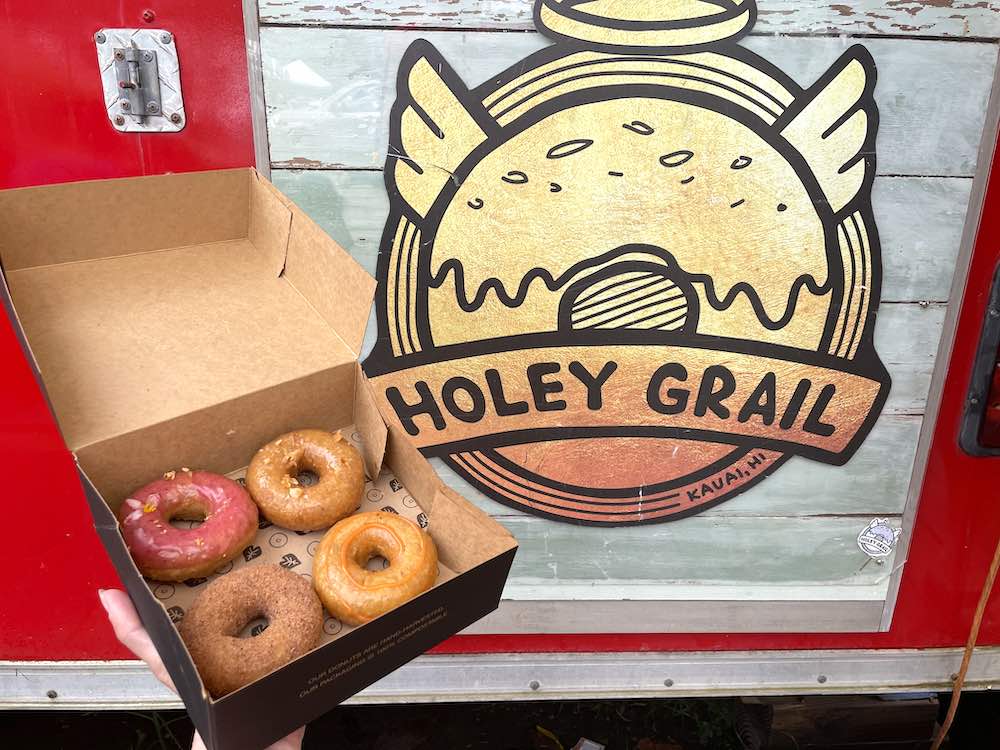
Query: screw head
{"x": 166, "y": 38}
{"x": 119, "y": 55}
{"x": 52, "y": 695}
{"x": 148, "y": 15}
{"x": 175, "y": 118}
{"x": 100, "y": 38}
{"x": 534, "y": 685}
{"x": 668, "y": 683}
{"x": 119, "y": 120}
{"x": 821, "y": 679}
{"x": 147, "y": 56}
{"x": 152, "y": 107}
{"x": 126, "y": 105}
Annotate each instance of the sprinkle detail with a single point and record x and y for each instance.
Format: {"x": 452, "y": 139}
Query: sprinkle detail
{"x": 676, "y": 158}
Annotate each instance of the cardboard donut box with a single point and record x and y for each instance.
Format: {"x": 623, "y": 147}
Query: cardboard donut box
{"x": 186, "y": 320}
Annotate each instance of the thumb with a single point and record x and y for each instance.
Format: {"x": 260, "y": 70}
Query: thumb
{"x": 130, "y": 632}
{"x": 291, "y": 742}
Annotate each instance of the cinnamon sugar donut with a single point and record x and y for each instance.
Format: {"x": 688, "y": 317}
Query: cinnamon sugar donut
{"x": 272, "y": 479}
{"x": 212, "y": 626}
{"x": 355, "y": 595}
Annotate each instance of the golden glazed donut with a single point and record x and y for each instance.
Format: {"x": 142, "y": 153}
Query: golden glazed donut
{"x": 355, "y": 595}
{"x": 272, "y": 479}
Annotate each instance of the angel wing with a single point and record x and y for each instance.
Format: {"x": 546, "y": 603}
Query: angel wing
{"x": 436, "y": 123}
{"x": 833, "y": 125}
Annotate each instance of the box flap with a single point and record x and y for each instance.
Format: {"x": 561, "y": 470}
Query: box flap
{"x": 325, "y": 274}
{"x": 129, "y": 329}
{"x": 412, "y": 469}
{"x": 370, "y": 424}
{"x": 270, "y": 224}
{"x": 54, "y": 224}
{"x": 466, "y": 535}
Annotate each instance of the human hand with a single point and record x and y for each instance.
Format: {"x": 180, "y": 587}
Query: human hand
{"x": 129, "y": 630}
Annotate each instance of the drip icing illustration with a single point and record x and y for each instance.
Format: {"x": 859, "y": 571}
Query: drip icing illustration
{"x": 633, "y": 275}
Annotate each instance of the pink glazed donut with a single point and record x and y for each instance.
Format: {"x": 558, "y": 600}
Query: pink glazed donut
{"x": 165, "y": 553}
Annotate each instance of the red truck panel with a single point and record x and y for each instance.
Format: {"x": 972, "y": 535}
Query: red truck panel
{"x": 55, "y": 129}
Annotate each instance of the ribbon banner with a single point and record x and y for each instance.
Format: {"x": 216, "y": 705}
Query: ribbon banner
{"x": 795, "y": 401}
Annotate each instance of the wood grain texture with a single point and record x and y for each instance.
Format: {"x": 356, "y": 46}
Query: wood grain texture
{"x": 708, "y": 609}
{"x": 329, "y": 91}
{"x": 945, "y": 18}
{"x": 906, "y": 339}
{"x": 717, "y": 550}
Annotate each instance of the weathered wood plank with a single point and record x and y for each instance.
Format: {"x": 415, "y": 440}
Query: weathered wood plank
{"x": 920, "y": 223}
{"x": 874, "y": 483}
{"x": 907, "y": 338}
{"x": 329, "y": 91}
{"x": 350, "y": 206}
{"x": 682, "y": 609}
{"x": 677, "y": 591}
{"x": 951, "y": 18}
{"x": 703, "y": 549}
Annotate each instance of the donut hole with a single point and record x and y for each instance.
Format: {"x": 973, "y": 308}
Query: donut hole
{"x": 307, "y": 478}
{"x": 186, "y": 524}
{"x": 189, "y": 515}
{"x": 179, "y": 522}
{"x": 373, "y": 549}
{"x": 302, "y": 469}
{"x": 255, "y": 627}
{"x": 376, "y": 563}
{"x": 371, "y": 558}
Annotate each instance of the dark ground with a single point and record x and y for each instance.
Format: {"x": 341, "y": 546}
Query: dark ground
{"x": 835, "y": 723}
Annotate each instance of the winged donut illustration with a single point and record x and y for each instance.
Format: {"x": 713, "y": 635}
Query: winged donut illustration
{"x": 636, "y": 273}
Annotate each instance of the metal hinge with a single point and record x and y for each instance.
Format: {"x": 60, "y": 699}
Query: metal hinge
{"x": 141, "y": 77}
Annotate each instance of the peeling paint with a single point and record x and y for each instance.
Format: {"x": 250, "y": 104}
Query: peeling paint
{"x": 301, "y": 162}
{"x": 936, "y": 18}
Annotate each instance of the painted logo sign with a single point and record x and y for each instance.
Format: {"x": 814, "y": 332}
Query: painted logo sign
{"x": 634, "y": 274}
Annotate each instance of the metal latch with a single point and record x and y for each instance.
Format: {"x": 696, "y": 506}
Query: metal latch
{"x": 141, "y": 77}
{"x": 138, "y": 80}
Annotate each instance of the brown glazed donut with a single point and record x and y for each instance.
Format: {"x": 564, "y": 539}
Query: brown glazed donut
{"x": 212, "y": 626}
{"x": 355, "y": 595}
{"x": 271, "y": 480}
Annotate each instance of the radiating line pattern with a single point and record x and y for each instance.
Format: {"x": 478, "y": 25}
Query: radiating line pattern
{"x": 633, "y": 299}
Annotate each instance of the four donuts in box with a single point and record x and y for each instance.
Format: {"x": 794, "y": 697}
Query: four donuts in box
{"x": 197, "y": 337}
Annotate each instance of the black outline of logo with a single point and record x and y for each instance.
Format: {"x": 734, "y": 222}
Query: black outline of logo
{"x": 867, "y": 363}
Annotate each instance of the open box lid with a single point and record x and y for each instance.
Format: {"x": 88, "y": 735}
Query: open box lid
{"x": 144, "y": 299}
